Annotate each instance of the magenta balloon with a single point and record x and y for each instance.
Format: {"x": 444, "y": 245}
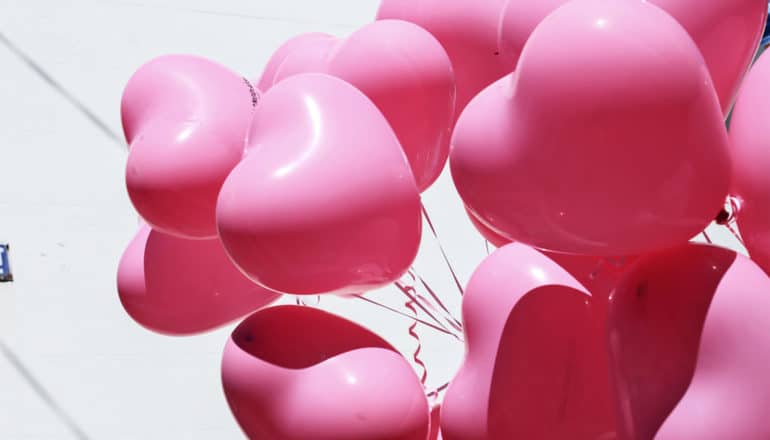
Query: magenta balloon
{"x": 750, "y": 150}
{"x": 468, "y": 32}
{"x": 177, "y": 286}
{"x": 727, "y": 33}
{"x": 314, "y": 44}
{"x": 690, "y": 347}
{"x": 298, "y": 373}
{"x": 534, "y": 367}
{"x": 495, "y": 238}
{"x": 185, "y": 119}
{"x": 407, "y": 75}
{"x": 618, "y": 171}
{"x": 324, "y": 200}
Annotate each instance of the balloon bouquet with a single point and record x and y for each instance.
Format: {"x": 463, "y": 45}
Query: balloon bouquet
{"x": 587, "y": 141}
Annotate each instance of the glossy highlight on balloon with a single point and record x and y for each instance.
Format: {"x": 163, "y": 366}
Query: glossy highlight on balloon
{"x": 403, "y": 70}
{"x": 533, "y": 367}
{"x": 689, "y": 346}
{"x": 618, "y": 171}
{"x": 176, "y": 286}
{"x": 324, "y": 200}
{"x": 296, "y": 373}
{"x": 185, "y": 119}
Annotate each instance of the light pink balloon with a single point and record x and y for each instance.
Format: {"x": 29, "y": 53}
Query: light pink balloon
{"x": 177, "y": 286}
{"x": 690, "y": 347}
{"x": 185, "y": 119}
{"x": 468, "y": 32}
{"x": 298, "y": 373}
{"x": 314, "y": 45}
{"x": 750, "y": 150}
{"x": 407, "y": 75}
{"x": 727, "y": 33}
{"x": 608, "y": 140}
{"x": 534, "y": 366}
{"x": 324, "y": 200}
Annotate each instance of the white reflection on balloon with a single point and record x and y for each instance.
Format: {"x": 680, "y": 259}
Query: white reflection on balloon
{"x": 314, "y": 112}
{"x": 538, "y": 273}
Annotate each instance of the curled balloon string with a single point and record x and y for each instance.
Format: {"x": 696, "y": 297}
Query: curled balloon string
{"x": 409, "y": 292}
{"x": 433, "y": 395}
{"x": 451, "y": 320}
{"x": 413, "y": 333}
{"x": 441, "y": 248}
{"x": 399, "y": 312}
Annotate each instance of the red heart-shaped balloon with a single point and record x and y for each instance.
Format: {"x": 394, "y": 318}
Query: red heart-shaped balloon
{"x": 690, "y": 346}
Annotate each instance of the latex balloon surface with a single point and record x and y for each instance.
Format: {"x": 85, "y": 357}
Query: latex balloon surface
{"x": 313, "y": 47}
{"x": 534, "y": 366}
{"x": 750, "y": 150}
{"x": 689, "y": 346}
{"x": 185, "y": 119}
{"x": 618, "y": 171}
{"x": 468, "y": 32}
{"x": 404, "y": 71}
{"x": 298, "y": 373}
{"x": 324, "y": 200}
{"x": 727, "y": 32}
{"x": 177, "y": 286}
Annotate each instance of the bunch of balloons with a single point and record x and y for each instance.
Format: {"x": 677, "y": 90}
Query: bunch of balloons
{"x": 586, "y": 138}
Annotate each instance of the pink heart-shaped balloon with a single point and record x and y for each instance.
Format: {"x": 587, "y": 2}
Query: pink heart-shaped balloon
{"x": 750, "y": 139}
{"x": 468, "y": 32}
{"x": 608, "y": 139}
{"x": 297, "y": 373}
{"x": 177, "y": 286}
{"x": 727, "y": 33}
{"x": 324, "y": 200}
{"x": 185, "y": 119}
{"x": 690, "y": 347}
{"x": 535, "y": 365}
{"x": 403, "y": 70}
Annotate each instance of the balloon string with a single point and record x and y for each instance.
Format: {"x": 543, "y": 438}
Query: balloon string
{"x": 413, "y": 333}
{"x": 441, "y": 248}
{"x": 706, "y": 236}
{"x": 486, "y": 245}
{"x": 454, "y": 322}
{"x": 409, "y": 292}
{"x": 433, "y": 394}
{"x": 398, "y": 312}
